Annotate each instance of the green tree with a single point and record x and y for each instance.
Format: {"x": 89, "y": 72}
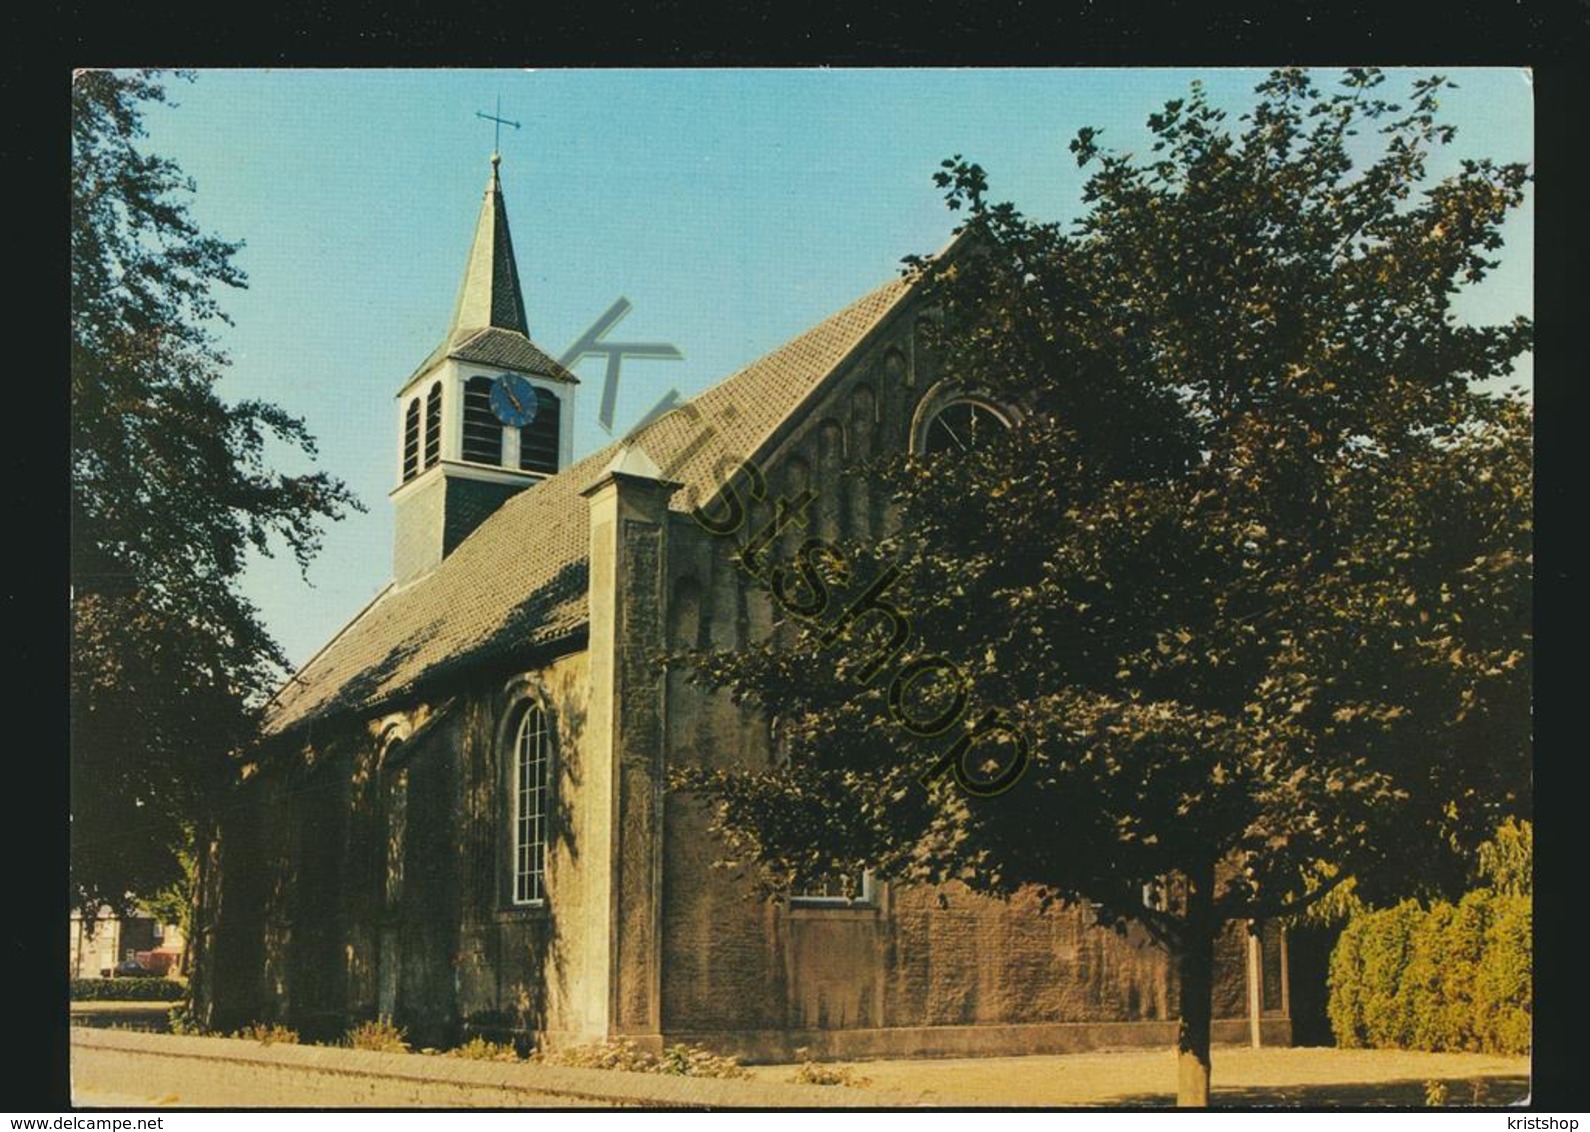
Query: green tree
{"x": 1249, "y": 575}
{"x": 1507, "y": 861}
{"x": 170, "y": 489}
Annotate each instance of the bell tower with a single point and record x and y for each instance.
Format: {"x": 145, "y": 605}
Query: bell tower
{"x": 486, "y": 416}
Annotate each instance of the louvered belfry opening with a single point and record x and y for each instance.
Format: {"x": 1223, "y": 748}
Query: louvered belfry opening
{"x": 538, "y": 440}
{"x": 411, "y": 440}
{"x": 482, "y": 429}
{"x": 433, "y": 425}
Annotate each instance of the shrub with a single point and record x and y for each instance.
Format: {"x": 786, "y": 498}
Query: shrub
{"x": 694, "y": 1061}
{"x": 381, "y": 1036}
{"x": 615, "y": 1053}
{"x": 128, "y": 990}
{"x": 180, "y": 1020}
{"x": 1446, "y": 978}
{"x": 1387, "y": 949}
{"x": 622, "y": 1054}
{"x": 1344, "y": 980}
{"x": 816, "y": 1073}
{"x": 1365, "y": 1006}
{"x": 1448, "y": 953}
{"x": 1503, "y": 998}
{"x": 268, "y": 1034}
{"x": 1460, "y": 954}
{"x": 479, "y": 1049}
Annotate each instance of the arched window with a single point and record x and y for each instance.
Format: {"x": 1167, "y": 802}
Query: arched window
{"x": 433, "y": 425}
{"x": 830, "y": 479}
{"x": 530, "y": 794}
{"x": 411, "y": 440}
{"x": 538, "y": 440}
{"x": 482, "y": 429}
{"x": 962, "y": 425}
{"x": 395, "y": 782}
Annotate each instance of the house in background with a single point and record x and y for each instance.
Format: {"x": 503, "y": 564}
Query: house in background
{"x": 97, "y": 949}
{"x": 458, "y": 818}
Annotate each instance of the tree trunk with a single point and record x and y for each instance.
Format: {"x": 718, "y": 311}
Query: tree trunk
{"x": 199, "y": 948}
{"x": 1196, "y": 967}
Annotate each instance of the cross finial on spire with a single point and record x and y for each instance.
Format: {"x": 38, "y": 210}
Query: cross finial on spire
{"x": 496, "y": 141}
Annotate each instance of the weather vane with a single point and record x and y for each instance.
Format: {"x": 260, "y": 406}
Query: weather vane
{"x": 496, "y": 141}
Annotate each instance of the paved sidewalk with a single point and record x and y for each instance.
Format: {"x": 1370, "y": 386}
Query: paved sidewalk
{"x": 1304, "y": 1077}
{"x": 110, "y": 1066}
{"x": 120, "y": 1069}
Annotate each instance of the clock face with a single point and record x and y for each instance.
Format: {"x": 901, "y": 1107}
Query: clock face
{"x": 514, "y": 400}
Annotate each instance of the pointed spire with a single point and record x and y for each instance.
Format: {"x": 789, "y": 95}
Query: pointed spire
{"x": 491, "y": 295}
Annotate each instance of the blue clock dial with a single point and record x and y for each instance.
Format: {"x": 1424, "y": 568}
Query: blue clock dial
{"x": 514, "y": 400}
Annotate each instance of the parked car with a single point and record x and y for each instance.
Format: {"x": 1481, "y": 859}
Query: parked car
{"x": 132, "y": 969}
{"x": 159, "y": 961}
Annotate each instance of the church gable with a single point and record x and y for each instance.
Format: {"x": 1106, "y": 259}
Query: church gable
{"x": 517, "y": 582}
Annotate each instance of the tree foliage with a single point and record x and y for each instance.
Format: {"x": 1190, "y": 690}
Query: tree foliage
{"x": 171, "y": 488}
{"x": 1251, "y": 571}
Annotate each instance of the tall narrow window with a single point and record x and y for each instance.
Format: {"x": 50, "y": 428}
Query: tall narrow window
{"x": 411, "y": 440}
{"x": 538, "y": 440}
{"x": 433, "y": 425}
{"x": 396, "y": 782}
{"x": 482, "y": 429}
{"x": 530, "y": 810}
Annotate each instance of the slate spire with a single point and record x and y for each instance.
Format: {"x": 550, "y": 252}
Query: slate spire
{"x": 490, "y": 295}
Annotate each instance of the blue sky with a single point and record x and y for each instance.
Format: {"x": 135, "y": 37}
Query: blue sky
{"x": 732, "y": 208}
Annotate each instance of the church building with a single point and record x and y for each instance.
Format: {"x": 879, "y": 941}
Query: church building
{"x": 458, "y": 818}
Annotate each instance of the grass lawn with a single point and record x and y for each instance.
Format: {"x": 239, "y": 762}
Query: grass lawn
{"x": 1307, "y": 1077}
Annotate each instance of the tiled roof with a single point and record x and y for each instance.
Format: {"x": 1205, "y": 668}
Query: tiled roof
{"x": 491, "y": 346}
{"x": 519, "y": 579}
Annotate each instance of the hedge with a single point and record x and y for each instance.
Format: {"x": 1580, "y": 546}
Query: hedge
{"x": 1450, "y": 977}
{"x": 128, "y": 990}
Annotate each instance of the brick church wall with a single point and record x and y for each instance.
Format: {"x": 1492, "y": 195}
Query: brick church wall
{"x": 904, "y": 976}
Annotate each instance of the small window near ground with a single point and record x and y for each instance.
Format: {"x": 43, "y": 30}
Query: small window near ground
{"x": 840, "y": 890}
